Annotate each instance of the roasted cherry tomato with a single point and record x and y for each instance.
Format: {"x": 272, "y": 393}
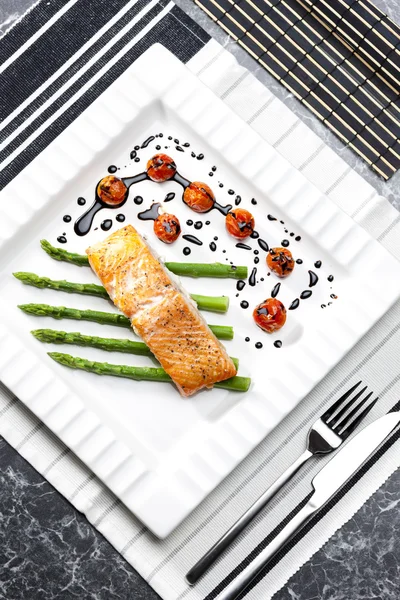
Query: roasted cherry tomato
{"x": 280, "y": 261}
{"x": 199, "y": 196}
{"x": 167, "y": 228}
{"x": 239, "y": 223}
{"x": 111, "y": 190}
{"x": 161, "y": 167}
{"x": 270, "y": 315}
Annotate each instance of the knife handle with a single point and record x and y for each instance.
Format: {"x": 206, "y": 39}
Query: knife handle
{"x": 244, "y": 578}
{"x": 222, "y": 544}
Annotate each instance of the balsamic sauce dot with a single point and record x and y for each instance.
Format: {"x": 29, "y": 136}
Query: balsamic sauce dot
{"x": 200, "y": 156}
{"x": 240, "y": 285}
{"x": 299, "y": 261}
{"x": 291, "y": 234}
{"x": 286, "y": 230}
{"x": 323, "y": 305}
{"x": 81, "y": 201}
{"x": 192, "y": 154}
{"x": 186, "y": 145}
{"x": 306, "y": 294}
{"x": 282, "y": 222}
{"x": 238, "y": 200}
{"x": 333, "y": 296}
{"x": 318, "y": 264}
{"x": 138, "y": 199}
{"x": 254, "y": 235}
{"x": 278, "y": 344}
{"x": 66, "y": 218}
{"x": 137, "y": 147}
{"x": 106, "y": 225}
{"x": 256, "y": 252}
{"x": 189, "y": 222}
{"x": 186, "y": 251}
{"x": 216, "y": 238}
{"x": 297, "y": 238}
{"x": 271, "y": 218}
{"x": 261, "y": 278}
{"x": 176, "y": 141}
{"x": 330, "y": 278}
{"x": 208, "y": 222}
{"x": 158, "y": 147}
{"x": 214, "y": 168}
{"x": 329, "y": 303}
{"x": 120, "y": 218}
{"x": 198, "y": 225}
{"x": 137, "y": 159}
{"x": 170, "y": 137}
{"x": 285, "y": 243}
{"x": 211, "y": 174}
{"x": 231, "y": 192}
{"x": 223, "y": 251}
{"x": 179, "y": 148}
{"x": 247, "y": 339}
{"x": 132, "y": 154}
{"x": 256, "y": 260}
{"x": 259, "y": 345}
{"x": 221, "y": 185}
{"x": 244, "y": 304}
{"x": 61, "y": 239}
{"x": 112, "y": 169}
{"x": 253, "y": 201}
{"x": 160, "y": 135}
{"x": 213, "y": 246}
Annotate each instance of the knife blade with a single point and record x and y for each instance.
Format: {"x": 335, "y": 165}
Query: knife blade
{"x": 326, "y": 483}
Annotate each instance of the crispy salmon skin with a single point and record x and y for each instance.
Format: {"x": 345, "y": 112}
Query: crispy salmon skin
{"x": 160, "y": 313}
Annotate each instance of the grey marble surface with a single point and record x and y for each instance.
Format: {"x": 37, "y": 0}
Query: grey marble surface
{"x": 49, "y": 551}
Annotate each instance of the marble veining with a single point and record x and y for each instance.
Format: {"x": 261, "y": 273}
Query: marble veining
{"x": 49, "y": 551}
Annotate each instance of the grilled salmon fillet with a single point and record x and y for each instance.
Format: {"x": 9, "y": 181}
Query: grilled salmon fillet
{"x": 160, "y": 313}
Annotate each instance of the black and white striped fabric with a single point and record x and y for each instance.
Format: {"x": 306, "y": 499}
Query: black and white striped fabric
{"x": 47, "y": 78}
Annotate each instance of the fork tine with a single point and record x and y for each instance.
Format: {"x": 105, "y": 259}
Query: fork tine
{"x": 335, "y": 420}
{"x": 351, "y": 427}
{"x": 332, "y": 409}
{"x": 346, "y": 418}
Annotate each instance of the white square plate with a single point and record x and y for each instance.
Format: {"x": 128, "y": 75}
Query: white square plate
{"x": 159, "y": 453}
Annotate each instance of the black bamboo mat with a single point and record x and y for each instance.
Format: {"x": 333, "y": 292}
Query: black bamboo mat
{"x": 340, "y": 58}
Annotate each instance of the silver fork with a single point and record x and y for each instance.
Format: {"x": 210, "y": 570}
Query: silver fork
{"x": 326, "y": 435}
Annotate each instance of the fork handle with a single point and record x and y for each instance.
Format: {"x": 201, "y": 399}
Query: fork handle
{"x": 207, "y": 560}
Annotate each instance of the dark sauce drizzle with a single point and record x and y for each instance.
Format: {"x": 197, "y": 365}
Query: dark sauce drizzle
{"x": 240, "y": 285}
{"x": 252, "y": 278}
{"x": 192, "y": 239}
{"x": 306, "y": 294}
{"x": 275, "y": 290}
{"x": 151, "y": 213}
{"x": 263, "y": 245}
{"x": 243, "y": 246}
{"x": 313, "y": 279}
{"x": 295, "y": 304}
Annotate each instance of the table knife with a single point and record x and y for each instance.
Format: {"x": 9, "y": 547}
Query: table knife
{"x": 325, "y": 484}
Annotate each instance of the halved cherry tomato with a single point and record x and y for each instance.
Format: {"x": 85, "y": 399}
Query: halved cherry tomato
{"x": 199, "y": 196}
{"x": 280, "y": 261}
{"x": 270, "y": 315}
{"x": 111, "y": 190}
{"x": 167, "y": 228}
{"x": 161, "y": 167}
{"x": 239, "y": 223}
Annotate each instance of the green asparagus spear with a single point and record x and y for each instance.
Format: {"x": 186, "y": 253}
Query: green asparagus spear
{"x": 237, "y": 384}
{"x": 189, "y": 269}
{"x": 218, "y": 304}
{"x": 223, "y": 332}
{"x": 110, "y": 344}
